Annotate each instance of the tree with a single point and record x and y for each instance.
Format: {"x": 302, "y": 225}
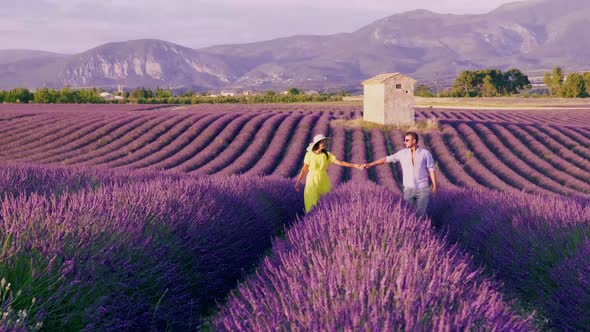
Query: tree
{"x": 18, "y": 95}
{"x": 465, "y": 82}
{"x": 45, "y": 96}
{"x": 189, "y": 94}
{"x": 548, "y": 80}
{"x": 488, "y": 88}
{"x": 558, "y": 76}
{"x": 67, "y": 95}
{"x": 89, "y": 96}
{"x": 586, "y": 77}
{"x": 422, "y": 90}
{"x": 142, "y": 93}
{"x": 163, "y": 93}
{"x": 515, "y": 81}
{"x": 554, "y": 81}
{"x": 294, "y": 91}
{"x": 574, "y": 86}
{"x": 489, "y": 82}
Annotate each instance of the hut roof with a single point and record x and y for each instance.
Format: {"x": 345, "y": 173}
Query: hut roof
{"x": 381, "y": 78}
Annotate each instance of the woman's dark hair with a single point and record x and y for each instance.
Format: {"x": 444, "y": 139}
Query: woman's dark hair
{"x": 316, "y": 146}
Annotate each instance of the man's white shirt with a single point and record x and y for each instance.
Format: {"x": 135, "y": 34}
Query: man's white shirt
{"x": 415, "y": 175}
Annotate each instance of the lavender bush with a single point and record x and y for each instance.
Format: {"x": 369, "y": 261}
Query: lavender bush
{"x": 148, "y": 255}
{"x": 534, "y": 244}
{"x": 236, "y": 146}
{"x": 362, "y": 261}
{"x": 273, "y": 156}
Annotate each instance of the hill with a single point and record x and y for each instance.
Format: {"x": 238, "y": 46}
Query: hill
{"x": 533, "y": 36}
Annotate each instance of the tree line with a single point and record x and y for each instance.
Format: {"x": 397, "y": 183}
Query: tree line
{"x": 47, "y": 96}
{"x": 483, "y": 83}
{"x": 494, "y": 82}
{"x": 143, "y": 95}
{"x": 574, "y": 85}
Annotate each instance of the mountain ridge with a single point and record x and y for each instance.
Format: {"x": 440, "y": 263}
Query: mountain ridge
{"x": 431, "y": 47}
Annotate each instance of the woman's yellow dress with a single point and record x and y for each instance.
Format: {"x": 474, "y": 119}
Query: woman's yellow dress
{"x": 317, "y": 182}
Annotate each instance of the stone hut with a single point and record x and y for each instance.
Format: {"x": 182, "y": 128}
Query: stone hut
{"x": 389, "y": 99}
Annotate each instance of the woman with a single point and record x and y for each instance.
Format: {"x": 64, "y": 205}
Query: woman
{"x": 315, "y": 165}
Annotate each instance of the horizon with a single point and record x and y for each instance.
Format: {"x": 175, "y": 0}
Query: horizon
{"x": 220, "y": 23}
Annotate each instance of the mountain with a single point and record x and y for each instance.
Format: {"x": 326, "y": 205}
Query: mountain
{"x": 534, "y": 36}
{"x": 148, "y": 63}
{"x": 30, "y": 68}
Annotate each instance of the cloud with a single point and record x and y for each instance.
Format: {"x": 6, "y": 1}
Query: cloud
{"x": 76, "y": 25}
{"x": 29, "y": 9}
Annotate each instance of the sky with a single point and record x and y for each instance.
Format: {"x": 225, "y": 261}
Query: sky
{"x": 73, "y": 26}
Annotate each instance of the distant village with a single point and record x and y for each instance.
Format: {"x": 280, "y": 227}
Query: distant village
{"x": 120, "y": 93}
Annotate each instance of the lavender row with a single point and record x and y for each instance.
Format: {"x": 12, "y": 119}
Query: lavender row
{"x": 61, "y": 138}
{"x": 142, "y": 145}
{"x": 336, "y": 174}
{"x": 106, "y": 143}
{"x": 555, "y": 162}
{"x": 535, "y": 244}
{"x": 47, "y": 134}
{"x": 135, "y": 140}
{"x": 294, "y": 152}
{"x": 237, "y": 146}
{"x": 90, "y": 143}
{"x": 383, "y": 174}
{"x": 511, "y": 168}
{"x": 220, "y": 142}
{"x": 23, "y": 179}
{"x": 579, "y": 135}
{"x": 80, "y": 142}
{"x": 571, "y": 140}
{"x": 521, "y": 153}
{"x": 362, "y": 261}
{"x": 78, "y": 108}
{"x": 54, "y": 127}
{"x": 11, "y": 129}
{"x": 275, "y": 153}
{"x": 113, "y": 148}
{"x": 180, "y": 142}
{"x": 157, "y": 144}
{"x": 564, "y": 159}
{"x": 525, "y": 163}
{"x": 448, "y": 165}
{"x": 200, "y": 136}
{"x": 490, "y": 160}
{"x": 470, "y": 161}
{"x": 267, "y": 136}
{"x": 140, "y": 256}
{"x": 73, "y": 141}
{"x": 358, "y": 155}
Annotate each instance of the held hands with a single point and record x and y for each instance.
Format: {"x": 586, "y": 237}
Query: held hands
{"x": 362, "y": 166}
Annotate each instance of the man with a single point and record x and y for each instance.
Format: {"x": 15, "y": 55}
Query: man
{"x": 417, "y": 164}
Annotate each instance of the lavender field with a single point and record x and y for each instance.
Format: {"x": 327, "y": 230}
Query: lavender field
{"x": 127, "y": 217}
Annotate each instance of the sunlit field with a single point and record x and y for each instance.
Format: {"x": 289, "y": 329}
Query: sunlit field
{"x": 138, "y": 217}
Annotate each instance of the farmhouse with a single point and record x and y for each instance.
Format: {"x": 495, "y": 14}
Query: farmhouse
{"x": 106, "y": 95}
{"x": 389, "y": 99}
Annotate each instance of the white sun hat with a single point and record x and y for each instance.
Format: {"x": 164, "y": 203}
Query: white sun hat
{"x": 316, "y": 139}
